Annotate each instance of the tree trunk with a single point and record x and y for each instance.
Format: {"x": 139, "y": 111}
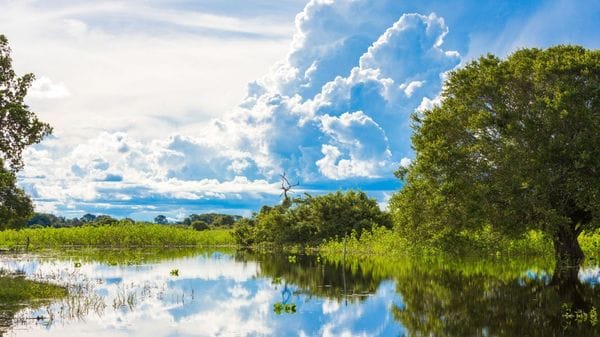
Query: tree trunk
{"x": 569, "y": 255}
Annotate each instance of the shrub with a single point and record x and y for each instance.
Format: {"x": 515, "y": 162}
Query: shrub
{"x": 309, "y": 220}
{"x": 199, "y": 225}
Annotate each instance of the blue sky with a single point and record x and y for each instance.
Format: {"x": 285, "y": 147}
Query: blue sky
{"x": 175, "y": 107}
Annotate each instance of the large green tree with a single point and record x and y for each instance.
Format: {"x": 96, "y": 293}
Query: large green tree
{"x": 19, "y": 127}
{"x": 514, "y": 145}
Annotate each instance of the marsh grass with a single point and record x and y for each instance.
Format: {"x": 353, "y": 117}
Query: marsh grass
{"x": 389, "y": 244}
{"x": 119, "y": 235}
{"x": 17, "y": 292}
{"x": 15, "y": 289}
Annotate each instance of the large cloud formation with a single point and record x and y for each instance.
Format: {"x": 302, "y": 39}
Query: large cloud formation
{"x": 335, "y": 109}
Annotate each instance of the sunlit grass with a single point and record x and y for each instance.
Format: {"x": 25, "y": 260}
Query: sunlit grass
{"x": 120, "y": 235}
{"x": 388, "y": 243}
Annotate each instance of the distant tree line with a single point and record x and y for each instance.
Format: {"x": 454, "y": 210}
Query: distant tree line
{"x": 211, "y": 220}
{"x": 196, "y": 221}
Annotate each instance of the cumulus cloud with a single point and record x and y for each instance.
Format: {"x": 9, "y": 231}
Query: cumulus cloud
{"x": 335, "y": 108}
{"x": 337, "y": 133}
{"x": 363, "y": 143}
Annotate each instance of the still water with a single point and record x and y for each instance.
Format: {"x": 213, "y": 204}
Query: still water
{"x": 227, "y": 293}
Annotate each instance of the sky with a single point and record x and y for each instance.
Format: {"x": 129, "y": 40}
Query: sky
{"x": 180, "y": 107}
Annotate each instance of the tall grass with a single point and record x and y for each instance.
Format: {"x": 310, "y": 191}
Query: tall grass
{"x": 121, "y": 235}
{"x": 385, "y": 242}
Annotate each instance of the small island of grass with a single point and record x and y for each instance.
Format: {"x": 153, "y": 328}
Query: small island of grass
{"x": 17, "y": 292}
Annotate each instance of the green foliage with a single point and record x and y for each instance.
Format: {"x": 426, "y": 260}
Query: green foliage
{"x": 390, "y": 244}
{"x": 199, "y": 225}
{"x": 122, "y": 234}
{"x": 15, "y": 206}
{"x": 17, "y": 292}
{"x": 590, "y": 244}
{"x": 102, "y": 220}
{"x": 514, "y": 147}
{"x": 311, "y": 219}
{"x": 379, "y": 241}
{"x": 161, "y": 220}
{"x": 16, "y": 289}
{"x": 174, "y": 272}
{"x": 578, "y": 317}
{"x": 43, "y": 220}
{"x": 88, "y": 217}
{"x": 280, "y": 308}
{"x": 243, "y": 232}
{"x": 215, "y": 220}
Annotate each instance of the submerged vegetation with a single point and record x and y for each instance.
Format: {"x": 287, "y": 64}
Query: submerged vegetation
{"x": 15, "y": 289}
{"x": 17, "y": 292}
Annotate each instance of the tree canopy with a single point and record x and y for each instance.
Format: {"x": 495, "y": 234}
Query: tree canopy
{"x": 514, "y": 145}
{"x": 161, "y": 220}
{"x": 19, "y": 128}
{"x": 15, "y": 206}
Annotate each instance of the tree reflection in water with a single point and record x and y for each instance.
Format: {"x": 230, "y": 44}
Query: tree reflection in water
{"x": 316, "y": 277}
{"x": 452, "y": 302}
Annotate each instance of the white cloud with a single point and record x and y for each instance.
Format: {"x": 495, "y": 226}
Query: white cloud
{"x": 364, "y": 143}
{"x": 410, "y": 88}
{"x": 43, "y": 87}
{"x": 136, "y": 66}
{"x": 335, "y": 108}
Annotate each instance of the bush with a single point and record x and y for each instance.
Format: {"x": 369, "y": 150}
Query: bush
{"x": 243, "y": 232}
{"x": 309, "y": 220}
{"x": 199, "y": 225}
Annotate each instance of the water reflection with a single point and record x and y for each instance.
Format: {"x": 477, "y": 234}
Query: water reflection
{"x": 248, "y": 294}
{"x": 453, "y": 303}
{"x": 214, "y": 294}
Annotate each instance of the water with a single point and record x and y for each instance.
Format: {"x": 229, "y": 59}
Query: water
{"x": 224, "y": 293}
